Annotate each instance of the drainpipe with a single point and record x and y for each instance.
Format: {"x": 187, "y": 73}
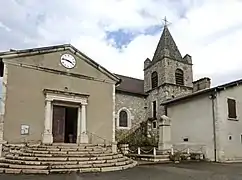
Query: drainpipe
{"x": 213, "y": 97}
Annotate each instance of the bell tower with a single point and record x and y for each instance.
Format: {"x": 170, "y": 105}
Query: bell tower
{"x": 167, "y": 75}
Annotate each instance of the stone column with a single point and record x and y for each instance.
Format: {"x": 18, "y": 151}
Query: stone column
{"x": 165, "y": 133}
{"x": 83, "y": 129}
{"x": 79, "y": 125}
{"x": 114, "y": 143}
{"x": 47, "y": 135}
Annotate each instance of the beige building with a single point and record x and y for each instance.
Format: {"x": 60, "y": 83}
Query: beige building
{"x": 56, "y": 94}
{"x": 210, "y": 117}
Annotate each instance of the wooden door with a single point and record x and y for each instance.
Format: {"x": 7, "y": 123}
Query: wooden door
{"x": 58, "y": 124}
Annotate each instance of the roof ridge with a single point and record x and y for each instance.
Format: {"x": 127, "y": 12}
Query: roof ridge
{"x": 60, "y": 47}
{"x": 129, "y": 77}
{"x": 12, "y": 51}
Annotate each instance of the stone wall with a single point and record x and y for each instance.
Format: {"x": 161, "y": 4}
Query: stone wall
{"x": 166, "y": 73}
{"x": 136, "y": 107}
{"x": 167, "y": 89}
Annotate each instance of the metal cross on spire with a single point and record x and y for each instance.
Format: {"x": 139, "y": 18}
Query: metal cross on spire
{"x": 166, "y": 22}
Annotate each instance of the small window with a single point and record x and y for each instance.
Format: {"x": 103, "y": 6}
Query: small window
{"x": 232, "y": 108}
{"x": 154, "y": 79}
{"x": 179, "y": 75}
{"x": 230, "y": 137}
{"x": 154, "y": 124}
{"x": 154, "y": 109}
{"x": 1, "y": 68}
{"x": 185, "y": 139}
{"x": 241, "y": 138}
{"x": 123, "y": 119}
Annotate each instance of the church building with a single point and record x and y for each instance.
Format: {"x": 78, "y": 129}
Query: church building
{"x": 58, "y": 94}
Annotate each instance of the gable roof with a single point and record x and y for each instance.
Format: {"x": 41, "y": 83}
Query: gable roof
{"x": 166, "y": 47}
{"x": 56, "y": 48}
{"x": 131, "y": 85}
{"x": 203, "y": 92}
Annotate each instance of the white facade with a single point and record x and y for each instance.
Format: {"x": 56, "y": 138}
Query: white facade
{"x": 193, "y": 122}
{"x": 192, "y": 119}
{"x": 231, "y": 149}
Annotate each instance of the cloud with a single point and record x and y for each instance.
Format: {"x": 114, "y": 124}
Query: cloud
{"x": 121, "y": 34}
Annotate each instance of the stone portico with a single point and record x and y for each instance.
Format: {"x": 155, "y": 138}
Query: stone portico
{"x": 79, "y": 100}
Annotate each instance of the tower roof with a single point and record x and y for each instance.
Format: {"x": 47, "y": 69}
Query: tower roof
{"x": 166, "y": 47}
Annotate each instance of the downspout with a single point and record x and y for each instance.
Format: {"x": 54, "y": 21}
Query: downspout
{"x": 213, "y": 97}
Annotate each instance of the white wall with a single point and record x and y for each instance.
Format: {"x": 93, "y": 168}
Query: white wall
{"x": 193, "y": 119}
{"x": 232, "y": 149}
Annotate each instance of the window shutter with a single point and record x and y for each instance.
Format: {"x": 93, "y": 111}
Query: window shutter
{"x": 179, "y": 77}
{"x": 232, "y": 108}
{"x": 154, "y": 79}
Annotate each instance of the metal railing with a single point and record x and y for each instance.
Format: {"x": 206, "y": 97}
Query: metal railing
{"x": 154, "y": 151}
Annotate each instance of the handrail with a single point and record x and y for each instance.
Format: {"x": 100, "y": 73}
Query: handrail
{"x": 134, "y": 128}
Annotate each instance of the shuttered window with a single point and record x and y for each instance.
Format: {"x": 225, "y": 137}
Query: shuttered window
{"x": 179, "y": 77}
{"x": 232, "y": 108}
{"x": 154, "y": 79}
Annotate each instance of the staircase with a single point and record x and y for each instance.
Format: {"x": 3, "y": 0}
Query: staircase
{"x": 61, "y": 158}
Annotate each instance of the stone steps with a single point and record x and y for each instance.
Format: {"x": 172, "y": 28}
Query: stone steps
{"x": 10, "y": 170}
{"x": 46, "y": 159}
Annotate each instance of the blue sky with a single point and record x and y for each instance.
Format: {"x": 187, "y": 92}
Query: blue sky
{"x": 117, "y": 33}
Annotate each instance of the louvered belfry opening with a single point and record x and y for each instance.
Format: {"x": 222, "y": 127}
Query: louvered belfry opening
{"x": 154, "y": 79}
{"x": 179, "y": 77}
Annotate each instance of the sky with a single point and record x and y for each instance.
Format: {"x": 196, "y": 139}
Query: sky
{"x": 121, "y": 34}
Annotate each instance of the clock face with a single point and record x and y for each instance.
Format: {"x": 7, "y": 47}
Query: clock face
{"x": 68, "y": 61}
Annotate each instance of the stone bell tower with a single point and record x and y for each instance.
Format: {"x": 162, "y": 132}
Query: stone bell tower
{"x": 167, "y": 75}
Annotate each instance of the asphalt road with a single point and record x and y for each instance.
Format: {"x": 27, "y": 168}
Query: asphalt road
{"x": 188, "y": 171}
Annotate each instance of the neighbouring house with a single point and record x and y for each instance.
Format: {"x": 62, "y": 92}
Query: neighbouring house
{"x": 210, "y": 117}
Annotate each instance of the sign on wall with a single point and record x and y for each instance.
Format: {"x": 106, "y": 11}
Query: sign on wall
{"x": 24, "y": 129}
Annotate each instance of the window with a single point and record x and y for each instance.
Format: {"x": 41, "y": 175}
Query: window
{"x": 185, "y": 139}
{"x": 154, "y": 109}
{"x": 179, "y": 77}
{"x": 1, "y": 68}
{"x": 123, "y": 119}
{"x": 230, "y": 137}
{"x": 154, "y": 79}
{"x": 154, "y": 124}
{"x": 241, "y": 138}
{"x": 231, "y": 108}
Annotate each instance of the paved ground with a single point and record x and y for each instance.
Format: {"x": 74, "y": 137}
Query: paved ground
{"x": 188, "y": 171}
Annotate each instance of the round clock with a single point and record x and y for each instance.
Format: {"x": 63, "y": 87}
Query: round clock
{"x": 68, "y": 61}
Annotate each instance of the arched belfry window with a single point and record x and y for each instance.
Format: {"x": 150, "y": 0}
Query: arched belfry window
{"x": 179, "y": 75}
{"x": 123, "y": 119}
{"x": 154, "y": 79}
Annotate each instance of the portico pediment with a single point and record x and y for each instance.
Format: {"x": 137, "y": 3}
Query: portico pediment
{"x": 56, "y": 95}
